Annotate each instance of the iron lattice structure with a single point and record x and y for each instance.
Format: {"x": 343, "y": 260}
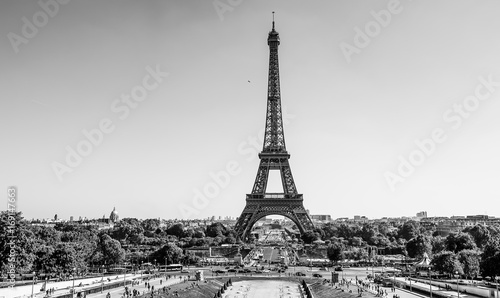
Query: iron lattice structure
{"x": 273, "y": 157}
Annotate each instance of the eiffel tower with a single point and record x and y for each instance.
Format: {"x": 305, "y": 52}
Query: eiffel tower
{"x": 273, "y": 157}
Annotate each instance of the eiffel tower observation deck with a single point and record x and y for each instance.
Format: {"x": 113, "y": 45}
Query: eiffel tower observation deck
{"x": 274, "y": 156}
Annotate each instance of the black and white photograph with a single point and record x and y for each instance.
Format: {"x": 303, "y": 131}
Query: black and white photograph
{"x": 250, "y": 149}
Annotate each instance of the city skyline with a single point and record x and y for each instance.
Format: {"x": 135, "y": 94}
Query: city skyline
{"x": 417, "y": 215}
{"x": 389, "y": 106}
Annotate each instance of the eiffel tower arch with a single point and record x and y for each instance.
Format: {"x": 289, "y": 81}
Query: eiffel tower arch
{"x": 274, "y": 156}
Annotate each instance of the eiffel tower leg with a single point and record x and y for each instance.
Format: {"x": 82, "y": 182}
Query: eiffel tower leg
{"x": 262, "y": 178}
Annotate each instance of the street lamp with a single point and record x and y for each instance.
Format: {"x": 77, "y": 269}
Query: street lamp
{"x": 430, "y": 285}
{"x": 33, "y": 284}
{"x": 102, "y": 278}
{"x": 73, "y": 288}
{"x": 372, "y": 260}
{"x": 458, "y": 293}
{"x": 394, "y": 277}
{"x": 496, "y": 280}
{"x": 496, "y": 283}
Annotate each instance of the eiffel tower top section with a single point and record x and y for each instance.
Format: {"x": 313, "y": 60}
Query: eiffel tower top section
{"x": 274, "y": 137}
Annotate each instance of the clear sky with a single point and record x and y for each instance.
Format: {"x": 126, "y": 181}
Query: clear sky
{"x": 361, "y": 81}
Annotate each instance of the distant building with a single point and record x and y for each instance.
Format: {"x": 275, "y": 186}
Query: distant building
{"x": 360, "y": 218}
{"x": 446, "y": 227}
{"x": 477, "y": 217}
{"x": 321, "y": 217}
{"x": 422, "y": 214}
{"x": 113, "y": 217}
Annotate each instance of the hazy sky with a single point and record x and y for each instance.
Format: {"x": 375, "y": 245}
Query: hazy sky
{"x": 362, "y": 83}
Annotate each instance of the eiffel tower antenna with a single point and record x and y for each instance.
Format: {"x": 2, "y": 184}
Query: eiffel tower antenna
{"x": 274, "y": 156}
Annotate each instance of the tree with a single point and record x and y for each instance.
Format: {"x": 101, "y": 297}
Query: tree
{"x": 355, "y": 253}
{"x": 111, "y": 249}
{"x": 494, "y": 230}
{"x": 215, "y": 229}
{"x": 65, "y": 257}
{"x": 128, "y": 230}
{"x": 230, "y": 240}
{"x": 356, "y": 241}
{"x": 368, "y": 233}
{"x": 230, "y": 233}
{"x": 188, "y": 232}
{"x": 14, "y": 231}
{"x": 490, "y": 259}
{"x": 190, "y": 259}
{"x": 438, "y": 244}
{"x": 384, "y": 228}
{"x": 177, "y": 230}
{"x": 172, "y": 252}
{"x": 218, "y": 240}
{"x": 419, "y": 245}
{"x": 334, "y": 252}
{"x": 150, "y": 226}
{"x": 381, "y": 241}
{"x": 43, "y": 259}
{"x": 310, "y": 236}
{"x": 480, "y": 233}
{"x": 199, "y": 234}
{"x": 347, "y": 232}
{"x": 409, "y": 230}
{"x": 470, "y": 260}
{"x": 330, "y": 230}
{"x": 46, "y": 235}
{"x": 447, "y": 262}
{"x": 459, "y": 241}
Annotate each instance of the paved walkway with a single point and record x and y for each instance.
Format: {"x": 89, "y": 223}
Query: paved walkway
{"x": 62, "y": 287}
{"x": 263, "y": 289}
{"x": 141, "y": 287}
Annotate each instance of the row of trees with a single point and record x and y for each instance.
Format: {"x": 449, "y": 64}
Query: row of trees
{"x": 471, "y": 252}
{"x": 83, "y": 246}
{"x": 475, "y": 250}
